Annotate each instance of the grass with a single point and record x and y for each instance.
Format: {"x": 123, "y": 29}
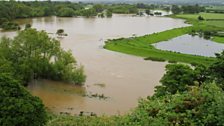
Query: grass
{"x": 215, "y": 23}
{"x": 66, "y": 120}
{"x": 141, "y": 46}
{"x": 211, "y": 19}
{"x": 218, "y": 39}
{"x": 206, "y": 16}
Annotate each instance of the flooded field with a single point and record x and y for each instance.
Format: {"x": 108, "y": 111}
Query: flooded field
{"x": 122, "y": 79}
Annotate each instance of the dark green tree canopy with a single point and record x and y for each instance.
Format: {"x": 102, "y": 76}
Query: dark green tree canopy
{"x": 17, "y": 106}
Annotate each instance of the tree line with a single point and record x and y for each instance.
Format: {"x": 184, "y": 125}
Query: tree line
{"x": 187, "y": 9}
{"x": 10, "y": 10}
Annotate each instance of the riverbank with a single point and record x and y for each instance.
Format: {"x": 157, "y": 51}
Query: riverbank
{"x": 141, "y": 46}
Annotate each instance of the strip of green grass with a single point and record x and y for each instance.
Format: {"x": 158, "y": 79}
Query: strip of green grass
{"x": 215, "y": 23}
{"x": 141, "y": 46}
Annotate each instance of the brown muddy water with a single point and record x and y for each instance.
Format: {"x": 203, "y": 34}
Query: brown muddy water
{"x": 122, "y": 78}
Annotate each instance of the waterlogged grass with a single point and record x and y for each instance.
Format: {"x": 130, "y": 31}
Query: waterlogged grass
{"x": 66, "y": 120}
{"x": 141, "y": 46}
{"x": 218, "y": 39}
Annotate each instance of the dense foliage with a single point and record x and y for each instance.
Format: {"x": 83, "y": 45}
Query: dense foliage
{"x": 187, "y": 9}
{"x": 176, "y": 79}
{"x": 65, "y": 12}
{"x": 34, "y": 55}
{"x": 124, "y": 9}
{"x": 17, "y": 106}
{"x": 199, "y": 106}
{"x": 217, "y": 70}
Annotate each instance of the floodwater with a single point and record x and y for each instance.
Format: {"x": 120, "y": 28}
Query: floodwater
{"x": 122, "y": 78}
{"x": 191, "y": 45}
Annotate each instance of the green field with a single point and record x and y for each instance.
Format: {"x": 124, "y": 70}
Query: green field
{"x": 206, "y": 16}
{"x": 141, "y": 46}
{"x": 215, "y": 20}
{"x": 212, "y": 19}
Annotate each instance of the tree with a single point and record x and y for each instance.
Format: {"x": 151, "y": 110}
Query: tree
{"x": 60, "y": 32}
{"x": 176, "y": 9}
{"x": 88, "y": 12}
{"x": 18, "y": 106}
{"x": 65, "y": 12}
{"x": 177, "y": 78}
{"x": 200, "y": 18}
{"x": 147, "y": 12}
{"x": 217, "y": 70}
{"x": 192, "y": 9}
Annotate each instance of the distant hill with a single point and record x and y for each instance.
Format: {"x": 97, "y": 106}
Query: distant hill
{"x": 205, "y": 2}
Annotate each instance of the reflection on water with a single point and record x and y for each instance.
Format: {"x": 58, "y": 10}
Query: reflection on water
{"x": 126, "y": 78}
{"x": 191, "y": 45}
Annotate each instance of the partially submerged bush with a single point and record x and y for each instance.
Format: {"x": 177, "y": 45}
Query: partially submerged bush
{"x": 35, "y": 55}
{"x": 10, "y": 26}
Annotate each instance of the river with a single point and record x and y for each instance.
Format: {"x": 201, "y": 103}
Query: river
{"x": 120, "y": 77}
